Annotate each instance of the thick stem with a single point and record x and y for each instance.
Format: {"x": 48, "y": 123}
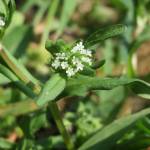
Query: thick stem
{"x": 19, "y": 84}
{"x": 57, "y": 117}
{"x": 12, "y": 64}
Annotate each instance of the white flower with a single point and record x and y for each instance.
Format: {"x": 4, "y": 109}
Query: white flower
{"x": 2, "y": 22}
{"x": 60, "y": 56}
{"x": 70, "y": 72}
{"x": 80, "y": 66}
{"x": 64, "y": 65}
{"x": 86, "y": 52}
{"x": 87, "y": 60}
{"x": 78, "y": 47}
{"x": 73, "y": 61}
{"x": 56, "y": 64}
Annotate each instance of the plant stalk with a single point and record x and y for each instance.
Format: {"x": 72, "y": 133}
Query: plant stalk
{"x": 11, "y": 63}
{"x": 58, "y": 120}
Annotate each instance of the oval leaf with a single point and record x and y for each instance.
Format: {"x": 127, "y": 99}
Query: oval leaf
{"x": 104, "y": 34}
{"x": 52, "y": 89}
{"x": 82, "y": 84}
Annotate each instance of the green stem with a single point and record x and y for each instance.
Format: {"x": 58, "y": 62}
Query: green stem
{"x": 130, "y": 72}
{"x": 20, "y": 85}
{"x": 12, "y": 64}
{"x": 57, "y": 117}
{"x": 40, "y": 13}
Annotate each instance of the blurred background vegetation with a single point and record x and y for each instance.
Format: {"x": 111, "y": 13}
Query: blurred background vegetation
{"x": 22, "y": 125}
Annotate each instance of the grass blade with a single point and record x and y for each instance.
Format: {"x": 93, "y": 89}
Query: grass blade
{"x": 105, "y": 138}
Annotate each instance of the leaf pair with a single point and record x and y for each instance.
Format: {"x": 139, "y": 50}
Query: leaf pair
{"x": 103, "y": 34}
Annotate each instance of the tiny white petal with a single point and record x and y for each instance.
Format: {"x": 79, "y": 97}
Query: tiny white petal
{"x": 75, "y": 60}
{"x": 56, "y": 64}
{"x": 60, "y": 56}
{"x": 2, "y": 22}
{"x": 80, "y": 66}
{"x": 70, "y": 72}
{"x": 87, "y": 60}
{"x": 74, "y": 49}
{"x": 88, "y": 53}
{"x": 79, "y": 46}
{"x": 83, "y": 51}
{"x": 64, "y": 65}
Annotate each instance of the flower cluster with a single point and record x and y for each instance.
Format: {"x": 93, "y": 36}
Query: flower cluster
{"x": 2, "y": 22}
{"x": 72, "y": 61}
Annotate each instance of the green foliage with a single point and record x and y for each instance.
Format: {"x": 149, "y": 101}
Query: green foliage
{"x": 53, "y": 87}
{"x": 55, "y": 47}
{"x": 103, "y": 34}
{"x": 4, "y": 144}
{"x": 82, "y": 84}
{"x": 112, "y": 132}
{"x": 18, "y": 45}
{"x": 41, "y": 107}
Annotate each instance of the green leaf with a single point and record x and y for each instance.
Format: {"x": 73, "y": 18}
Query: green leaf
{"x": 103, "y": 34}
{"x": 4, "y": 144}
{"x": 107, "y": 99}
{"x": 37, "y": 121}
{"x": 31, "y": 123}
{"x": 55, "y": 47}
{"x": 19, "y": 70}
{"x": 88, "y": 71}
{"x": 82, "y": 84}
{"x": 25, "y": 143}
{"x": 98, "y": 64}
{"x": 3, "y": 80}
{"x": 108, "y": 136}
{"x": 18, "y": 108}
{"x": 11, "y": 7}
{"x": 53, "y": 87}
{"x": 18, "y": 39}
